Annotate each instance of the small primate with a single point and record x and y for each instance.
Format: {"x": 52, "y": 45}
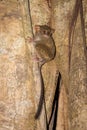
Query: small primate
{"x": 45, "y": 51}
{"x": 44, "y": 43}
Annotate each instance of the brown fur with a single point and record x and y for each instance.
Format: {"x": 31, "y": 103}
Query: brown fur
{"x": 45, "y": 49}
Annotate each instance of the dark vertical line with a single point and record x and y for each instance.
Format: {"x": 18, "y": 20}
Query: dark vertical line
{"x": 82, "y": 22}
{"x": 83, "y": 29}
{"x": 72, "y": 27}
{"x": 30, "y": 18}
{"x": 55, "y": 103}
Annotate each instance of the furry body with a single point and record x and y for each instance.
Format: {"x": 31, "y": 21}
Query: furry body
{"x": 45, "y": 49}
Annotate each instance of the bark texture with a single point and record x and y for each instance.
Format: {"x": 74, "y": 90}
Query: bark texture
{"x": 62, "y": 14}
{"x": 19, "y": 76}
{"x": 78, "y": 81}
{"x": 16, "y": 99}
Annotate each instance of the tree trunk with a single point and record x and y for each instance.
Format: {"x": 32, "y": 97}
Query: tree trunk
{"x": 19, "y": 75}
{"x": 78, "y": 81}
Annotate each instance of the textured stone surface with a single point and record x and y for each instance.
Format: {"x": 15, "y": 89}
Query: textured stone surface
{"x": 18, "y": 74}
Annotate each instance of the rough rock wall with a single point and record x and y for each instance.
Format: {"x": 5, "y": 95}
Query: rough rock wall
{"x": 17, "y": 79}
{"x": 62, "y": 14}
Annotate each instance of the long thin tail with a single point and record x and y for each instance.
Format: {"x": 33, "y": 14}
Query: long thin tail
{"x": 41, "y": 101}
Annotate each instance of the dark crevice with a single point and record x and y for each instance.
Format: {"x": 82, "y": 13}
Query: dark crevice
{"x": 55, "y": 104}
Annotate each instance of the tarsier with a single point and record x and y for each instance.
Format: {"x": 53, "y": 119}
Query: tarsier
{"x": 45, "y": 51}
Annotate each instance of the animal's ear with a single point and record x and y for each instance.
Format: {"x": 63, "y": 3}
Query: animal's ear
{"x": 52, "y": 31}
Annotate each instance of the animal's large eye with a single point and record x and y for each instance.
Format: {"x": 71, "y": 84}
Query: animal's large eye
{"x": 48, "y": 32}
{"x": 44, "y": 32}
